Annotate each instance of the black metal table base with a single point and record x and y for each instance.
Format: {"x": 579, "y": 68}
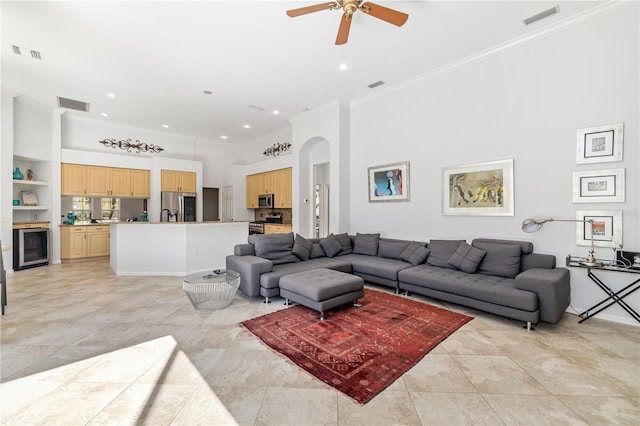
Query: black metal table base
{"x": 613, "y": 297}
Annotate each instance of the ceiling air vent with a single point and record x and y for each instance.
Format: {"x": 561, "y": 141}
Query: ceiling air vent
{"x": 376, "y": 84}
{"x": 73, "y": 104}
{"x": 23, "y": 51}
{"x": 255, "y": 108}
{"x": 544, "y": 14}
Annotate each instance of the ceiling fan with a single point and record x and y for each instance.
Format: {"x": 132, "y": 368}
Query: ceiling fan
{"x": 350, "y": 7}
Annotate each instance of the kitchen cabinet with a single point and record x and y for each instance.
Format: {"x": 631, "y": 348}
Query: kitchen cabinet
{"x": 277, "y": 228}
{"x": 140, "y": 183}
{"x": 255, "y": 184}
{"x": 283, "y": 191}
{"x": 178, "y": 181}
{"x": 108, "y": 182}
{"x": 77, "y": 242}
{"x": 98, "y": 181}
{"x": 74, "y": 179}
{"x": 277, "y": 182}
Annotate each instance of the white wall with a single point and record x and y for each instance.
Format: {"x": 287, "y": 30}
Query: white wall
{"x": 525, "y": 102}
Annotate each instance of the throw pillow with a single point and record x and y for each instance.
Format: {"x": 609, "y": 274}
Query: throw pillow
{"x": 316, "y": 251}
{"x": 392, "y": 249}
{"x": 502, "y": 260}
{"x": 345, "y": 242}
{"x": 415, "y": 253}
{"x": 275, "y": 247}
{"x": 331, "y": 246}
{"x": 467, "y": 258}
{"x": 302, "y": 247}
{"x": 441, "y": 252}
{"x": 366, "y": 244}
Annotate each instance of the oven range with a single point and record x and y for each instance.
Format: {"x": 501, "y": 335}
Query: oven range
{"x": 256, "y": 228}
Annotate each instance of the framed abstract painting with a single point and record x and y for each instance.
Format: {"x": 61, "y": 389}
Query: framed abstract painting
{"x": 480, "y": 189}
{"x": 606, "y": 230}
{"x": 599, "y": 186}
{"x": 389, "y": 182}
{"x": 600, "y": 144}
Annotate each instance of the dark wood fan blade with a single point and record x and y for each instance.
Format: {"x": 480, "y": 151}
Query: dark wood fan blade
{"x": 343, "y": 31}
{"x": 310, "y": 9}
{"x": 388, "y": 15}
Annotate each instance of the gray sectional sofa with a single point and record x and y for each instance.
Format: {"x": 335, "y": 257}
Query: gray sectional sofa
{"x": 503, "y": 277}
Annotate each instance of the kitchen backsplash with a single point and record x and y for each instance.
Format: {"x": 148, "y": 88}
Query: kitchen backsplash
{"x": 261, "y": 214}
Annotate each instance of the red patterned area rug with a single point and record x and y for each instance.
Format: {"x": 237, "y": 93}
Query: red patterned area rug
{"x": 358, "y": 351}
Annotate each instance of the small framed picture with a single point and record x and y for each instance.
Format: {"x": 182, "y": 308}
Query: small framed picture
{"x": 600, "y": 144}
{"x": 389, "y": 182}
{"x": 480, "y": 189}
{"x": 599, "y": 186}
{"x": 29, "y": 198}
{"x": 606, "y": 230}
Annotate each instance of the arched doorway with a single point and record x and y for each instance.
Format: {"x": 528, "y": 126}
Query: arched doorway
{"x": 314, "y": 184}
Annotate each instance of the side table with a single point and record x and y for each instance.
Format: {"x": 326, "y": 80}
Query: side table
{"x": 612, "y": 297}
{"x": 211, "y": 289}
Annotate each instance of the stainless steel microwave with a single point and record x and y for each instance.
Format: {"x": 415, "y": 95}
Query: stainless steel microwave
{"x": 265, "y": 201}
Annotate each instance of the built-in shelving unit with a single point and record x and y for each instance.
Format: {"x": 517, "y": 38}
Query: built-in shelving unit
{"x": 40, "y": 187}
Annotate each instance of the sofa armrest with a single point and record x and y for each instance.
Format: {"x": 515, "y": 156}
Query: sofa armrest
{"x": 552, "y": 287}
{"x": 250, "y": 269}
{"x": 244, "y": 250}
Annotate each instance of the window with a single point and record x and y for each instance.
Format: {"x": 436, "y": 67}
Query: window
{"x": 110, "y": 209}
{"x": 81, "y": 207}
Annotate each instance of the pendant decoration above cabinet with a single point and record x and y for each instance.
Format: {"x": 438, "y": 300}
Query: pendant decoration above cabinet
{"x": 129, "y": 146}
{"x": 276, "y": 149}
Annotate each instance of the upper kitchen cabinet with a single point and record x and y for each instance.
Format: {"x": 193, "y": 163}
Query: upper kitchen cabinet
{"x": 255, "y": 187}
{"x": 276, "y": 182}
{"x": 178, "y": 181}
{"x": 140, "y": 183}
{"x": 74, "y": 179}
{"x": 97, "y": 181}
{"x": 108, "y": 182}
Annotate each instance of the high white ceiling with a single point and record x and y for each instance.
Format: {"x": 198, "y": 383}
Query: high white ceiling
{"x": 159, "y": 57}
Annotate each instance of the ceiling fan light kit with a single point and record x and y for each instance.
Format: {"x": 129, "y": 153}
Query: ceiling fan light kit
{"x": 350, "y": 7}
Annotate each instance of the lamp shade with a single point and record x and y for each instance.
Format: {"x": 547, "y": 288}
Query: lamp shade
{"x": 531, "y": 225}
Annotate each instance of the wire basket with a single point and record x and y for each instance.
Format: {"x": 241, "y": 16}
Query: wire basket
{"x": 210, "y": 291}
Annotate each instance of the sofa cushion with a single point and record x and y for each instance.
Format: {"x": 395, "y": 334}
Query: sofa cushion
{"x": 392, "y": 249}
{"x": 502, "y": 260}
{"x": 487, "y": 288}
{"x": 275, "y": 247}
{"x": 366, "y": 244}
{"x": 345, "y": 242}
{"x": 376, "y": 266}
{"x": 302, "y": 247}
{"x": 467, "y": 258}
{"x": 441, "y": 252}
{"x": 331, "y": 246}
{"x": 415, "y": 253}
{"x": 316, "y": 251}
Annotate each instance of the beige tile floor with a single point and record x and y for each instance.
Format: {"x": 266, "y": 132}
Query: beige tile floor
{"x": 80, "y": 345}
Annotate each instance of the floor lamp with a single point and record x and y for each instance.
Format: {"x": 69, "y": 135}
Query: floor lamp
{"x": 533, "y": 225}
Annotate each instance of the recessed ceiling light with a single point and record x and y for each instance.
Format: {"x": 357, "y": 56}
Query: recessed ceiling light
{"x": 247, "y": 126}
{"x": 112, "y": 95}
{"x": 343, "y": 66}
{"x": 276, "y": 112}
{"x": 166, "y": 126}
{"x": 208, "y": 92}
{"x": 104, "y": 114}
{"x": 224, "y": 137}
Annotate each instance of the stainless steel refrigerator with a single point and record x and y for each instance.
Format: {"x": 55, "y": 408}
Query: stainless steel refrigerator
{"x": 178, "y": 207}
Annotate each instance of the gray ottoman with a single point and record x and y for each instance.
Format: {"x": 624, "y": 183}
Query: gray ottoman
{"x": 321, "y": 289}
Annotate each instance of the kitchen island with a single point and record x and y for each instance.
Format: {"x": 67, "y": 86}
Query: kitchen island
{"x": 172, "y": 248}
